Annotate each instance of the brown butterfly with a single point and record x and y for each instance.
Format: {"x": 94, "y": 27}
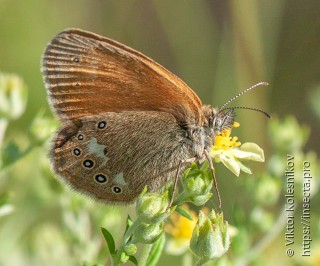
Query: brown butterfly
{"x": 126, "y": 121}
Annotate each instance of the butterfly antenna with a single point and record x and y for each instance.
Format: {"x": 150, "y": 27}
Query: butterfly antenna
{"x": 243, "y": 92}
{"x": 248, "y": 108}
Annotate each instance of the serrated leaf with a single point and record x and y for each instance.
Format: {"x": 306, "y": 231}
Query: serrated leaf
{"x": 133, "y": 260}
{"x": 156, "y": 251}
{"x": 184, "y": 212}
{"x": 110, "y": 241}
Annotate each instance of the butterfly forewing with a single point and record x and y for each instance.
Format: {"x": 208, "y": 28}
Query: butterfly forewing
{"x": 87, "y": 74}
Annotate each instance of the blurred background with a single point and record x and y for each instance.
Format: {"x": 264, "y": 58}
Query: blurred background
{"x": 218, "y": 48}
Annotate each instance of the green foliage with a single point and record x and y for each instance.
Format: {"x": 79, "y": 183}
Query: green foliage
{"x": 156, "y": 251}
{"x": 110, "y": 241}
{"x": 185, "y": 213}
{"x": 11, "y": 153}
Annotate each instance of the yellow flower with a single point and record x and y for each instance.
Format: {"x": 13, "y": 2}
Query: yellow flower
{"x": 229, "y": 151}
{"x": 224, "y": 141}
{"x": 180, "y": 230}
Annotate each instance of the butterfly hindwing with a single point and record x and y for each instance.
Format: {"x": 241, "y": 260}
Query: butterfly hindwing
{"x": 112, "y": 156}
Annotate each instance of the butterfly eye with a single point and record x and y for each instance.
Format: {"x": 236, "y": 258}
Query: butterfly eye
{"x": 223, "y": 120}
{"x": 218, "y": 121}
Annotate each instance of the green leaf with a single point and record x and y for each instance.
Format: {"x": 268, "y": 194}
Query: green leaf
{"x": 184, "y": 212}
{"x": 156, "y": 251}
{"x": 205, "y": 166}
{"x": 110, "y": 241}
{"x": 11, "y": 153}
{"x": 187, "y": 171}
{"x": 128, "y": 223}
{"x": 133, "y": 260}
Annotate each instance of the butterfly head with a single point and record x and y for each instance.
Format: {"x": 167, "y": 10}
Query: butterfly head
{"x": 217, "y": 119}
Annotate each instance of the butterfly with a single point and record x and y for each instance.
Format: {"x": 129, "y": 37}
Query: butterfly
{"x": 126, "y": 121}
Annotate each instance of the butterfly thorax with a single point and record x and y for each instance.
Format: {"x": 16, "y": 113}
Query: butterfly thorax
{"x": 200, "y": 140}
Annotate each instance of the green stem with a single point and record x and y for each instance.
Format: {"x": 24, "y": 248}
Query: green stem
{"x": 116, "y": 258}
{"x": 201, "y": 261}
{"x": 130, "y": 231}
{"x": 187, "y": 259}
{"x": 145, "y": 254}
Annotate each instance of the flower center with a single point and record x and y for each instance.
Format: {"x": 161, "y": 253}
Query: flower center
{"x": 223, "y": 141}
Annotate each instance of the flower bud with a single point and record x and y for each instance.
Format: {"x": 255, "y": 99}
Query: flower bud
{"x": 13, "y": 96}
{"x": 152, "y": 207}
{"x": 197, "y": 184}
{"x": 124, "y": 257}
{"x": 42, "y": 127}
{"x": 130, "y": 249}
{"x": 148, "y": 233}
{"x": 210, "y": 238}
{"x": 287, "y": 135}
{"x": 200, "y": 200}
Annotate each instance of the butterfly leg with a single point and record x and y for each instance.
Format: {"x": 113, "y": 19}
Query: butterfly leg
{"x": 177, "y": 177}
{"x": 215, "y": 183}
